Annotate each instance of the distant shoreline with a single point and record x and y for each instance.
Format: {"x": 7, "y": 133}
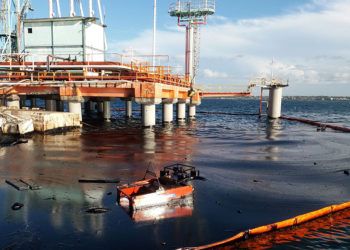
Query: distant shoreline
{"x": 296, "y": 98}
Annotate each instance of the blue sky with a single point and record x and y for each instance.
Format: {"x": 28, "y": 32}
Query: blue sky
{"x": 308, "y": 40}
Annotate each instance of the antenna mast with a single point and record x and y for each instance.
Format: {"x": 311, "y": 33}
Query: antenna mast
{"x": 191, "y": 14}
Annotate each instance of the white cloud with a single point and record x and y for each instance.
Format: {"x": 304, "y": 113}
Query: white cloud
{"x": 309, "y": 46}
{"x": 214, "y": 74}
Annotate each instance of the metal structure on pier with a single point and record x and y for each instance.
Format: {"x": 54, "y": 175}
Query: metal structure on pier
{"x": 12, "y": 14}
{"x": 191, "y": 14}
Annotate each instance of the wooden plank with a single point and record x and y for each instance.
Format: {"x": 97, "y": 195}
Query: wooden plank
{"x": 20, "y": 186}
{"x": 31, "y": 184}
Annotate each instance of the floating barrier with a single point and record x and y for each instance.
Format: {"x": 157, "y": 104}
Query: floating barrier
{"x": 298, "y": 220}
{"x": 317, "y": 124}
{"x": 224, "y": 113}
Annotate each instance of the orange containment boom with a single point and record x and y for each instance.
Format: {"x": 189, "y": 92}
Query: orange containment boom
{"x": 298, "y": 220}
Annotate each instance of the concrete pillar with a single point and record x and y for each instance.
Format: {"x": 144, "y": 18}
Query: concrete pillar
{"x": 168, "y": 112}
{"x": 107, "y": 110}
{"x": 92, "y": 107}
{"x": 33, "y": 102}
{"x": 128, "y": 109}
{"x": 192, "y": 111}
{"x": 13, "y": 101}
{"x": 181, "y": 111}
{"x": 148, "y": 115}
{"x": 50, "y": 105}
{"x": 23, "y": 102}
{"x": 100, "y": 107}
{"x": 60, "y": 106}
{"x": 275, "y": 102}
{"x": 75, "y": 107}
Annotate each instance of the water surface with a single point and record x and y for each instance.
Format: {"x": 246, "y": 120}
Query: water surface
{"x": 258, "y": 171}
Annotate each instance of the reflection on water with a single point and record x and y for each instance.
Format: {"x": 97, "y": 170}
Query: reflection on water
{"x": 273, "y": 132}
{"x": 320, "y": 233}
{"x": 180, "y": 208}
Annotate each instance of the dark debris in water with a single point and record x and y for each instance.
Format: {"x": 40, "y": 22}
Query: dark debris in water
{"x": 17, "y": 206}
{"x": 97, "y": 210}
{"x": 11, "y": 140}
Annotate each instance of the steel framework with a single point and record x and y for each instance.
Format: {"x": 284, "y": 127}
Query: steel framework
{"x": 191, "y": 14}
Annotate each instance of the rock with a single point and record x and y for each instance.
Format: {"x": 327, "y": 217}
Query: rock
{"x": 346, "y": 172}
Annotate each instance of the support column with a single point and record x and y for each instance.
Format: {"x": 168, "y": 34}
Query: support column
{"x": 275, "y": 102}
{"x": 33, "y": 102}
{"x": 168, "y": 111}
{"x": 192, "y": 111}
{"x": 75, "y": 107}
{"x": 100, "y": 107}
{"x": 181, "y": 111}
{"x": 13, "y": 101}
{"x": 128, "y": 109}
{"x": 107, "y": 110}
{"x": 60, "y": 106}
{"x": 50, "y": 105}
{"x": 148, "y": 115}
{"x": 23, "y": 101}
{"x": 148, "y": 106}
{"x": 92, "y": 106}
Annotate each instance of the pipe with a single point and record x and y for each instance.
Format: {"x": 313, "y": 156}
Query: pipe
{"x": 81, "y": 8}
{"x": 154, "y": 33}
{"x": 298, "y": 220}
{"x": 100, "y": 11}
{"x": 91, "y": 11}
{"x": 58, "y": 5}
{"x": 72, "y": 10}
{"x": 51, "y": 14}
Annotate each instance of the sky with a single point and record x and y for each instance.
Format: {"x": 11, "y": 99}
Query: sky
{"x": 307, "y": 41}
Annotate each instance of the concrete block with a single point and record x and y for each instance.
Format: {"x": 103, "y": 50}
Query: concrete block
{"x": 26, "y": 126}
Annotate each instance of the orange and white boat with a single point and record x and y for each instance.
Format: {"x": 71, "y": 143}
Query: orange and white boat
{"x": 172, "y": 185}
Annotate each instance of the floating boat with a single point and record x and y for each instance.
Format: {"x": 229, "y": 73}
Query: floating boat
{"x": 171, "y": 186}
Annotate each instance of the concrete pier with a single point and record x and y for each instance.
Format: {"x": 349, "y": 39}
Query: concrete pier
{"x": 192, "y": 111}
{"x": 181, "y": 111}
{"x": 107, "y": 110}
{"x": 92, "y": 106}
{"x": 128, "y": 108}
{"x": 148, "y": 115}
{"x": 275, "y": 102}
{"x": 60, "y": 106}
{"x": 23, "y": 101}
{"x": 51, "y": 105}
{"x": 168, "y": 112}
{"x": 33, "y": 102}
{"x": 75, "y": 108}
{"x": 100, "y": 107}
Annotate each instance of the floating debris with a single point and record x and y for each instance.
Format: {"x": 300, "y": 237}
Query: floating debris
{"x": 17, "y": 206}
{"x": 97, "y": 210}
{"x": 31, "y": 184}
{"x": 17, "y": 184}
